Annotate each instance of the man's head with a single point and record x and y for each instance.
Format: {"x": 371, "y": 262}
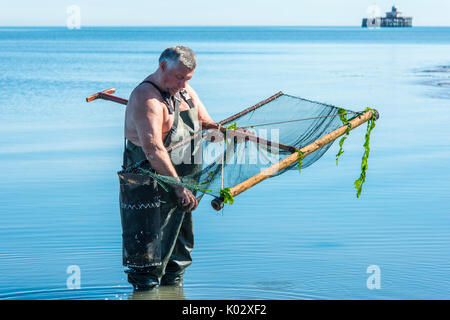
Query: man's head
{"x": 177, "y": 65}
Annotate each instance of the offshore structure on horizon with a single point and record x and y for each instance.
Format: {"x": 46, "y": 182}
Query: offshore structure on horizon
{"x": 392, "y": 19}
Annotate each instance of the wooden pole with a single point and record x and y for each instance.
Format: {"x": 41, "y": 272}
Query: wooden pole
{"x": 106, "y": 95}
{"x": 237, "y": 115}
{"x": 97, "y": 95}
{"x": 286, "y": 162}
{"x": 248, "y": 136}
{"x": 230, "y": 133}
{"x": 252, "y": 108}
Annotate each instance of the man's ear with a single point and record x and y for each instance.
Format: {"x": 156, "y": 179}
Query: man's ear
{"x": 163, "y": 65}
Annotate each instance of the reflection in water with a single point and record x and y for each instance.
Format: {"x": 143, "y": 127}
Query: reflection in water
{"x": 160, "y": 293}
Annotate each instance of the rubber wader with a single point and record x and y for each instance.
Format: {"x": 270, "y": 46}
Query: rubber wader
{"x": 157, "y": 233}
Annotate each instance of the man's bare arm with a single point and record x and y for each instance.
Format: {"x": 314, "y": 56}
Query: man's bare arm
{"x": 148, "y": 117}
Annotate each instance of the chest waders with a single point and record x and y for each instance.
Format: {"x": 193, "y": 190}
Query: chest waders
{"x": 157, "y": 235}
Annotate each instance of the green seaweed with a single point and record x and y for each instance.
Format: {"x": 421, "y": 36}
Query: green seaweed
{"x": 300, "y": 160}
{"x": 202, "y": 190}
{"x": 225, "y": 194}
{"x": 343, "y": 116}
{"x": 211, "y": 176}
{"x": 232, "y": 126}
{"x": 360, "y": 181}
{"x": 364, "y": 165}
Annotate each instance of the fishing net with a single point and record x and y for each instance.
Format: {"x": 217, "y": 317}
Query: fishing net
{"x": 251, "y": 141}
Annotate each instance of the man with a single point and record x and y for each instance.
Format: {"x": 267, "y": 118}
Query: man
{"x": 157, "y": 224}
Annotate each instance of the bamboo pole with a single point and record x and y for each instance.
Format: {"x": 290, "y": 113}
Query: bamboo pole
{"x": 286, "y": 162}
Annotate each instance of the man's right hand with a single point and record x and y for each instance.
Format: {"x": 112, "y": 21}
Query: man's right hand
{"x": 186, "y": 199}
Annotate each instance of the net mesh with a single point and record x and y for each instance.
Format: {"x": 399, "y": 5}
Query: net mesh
{"x": 250, "y": 142}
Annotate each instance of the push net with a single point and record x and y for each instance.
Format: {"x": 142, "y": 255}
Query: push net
{"x": 257, "y": 143}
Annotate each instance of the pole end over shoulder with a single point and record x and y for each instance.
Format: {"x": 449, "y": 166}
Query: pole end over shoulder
{"x": 98, "y": 94}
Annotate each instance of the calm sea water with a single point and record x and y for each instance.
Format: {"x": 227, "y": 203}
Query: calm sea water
{"x": 294, "y": 237}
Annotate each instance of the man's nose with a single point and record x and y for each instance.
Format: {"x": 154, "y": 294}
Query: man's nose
{"x": 183, "y": 84}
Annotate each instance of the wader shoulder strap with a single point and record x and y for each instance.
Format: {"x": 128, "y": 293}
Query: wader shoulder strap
{"x": 165, "y": 95}
{"x": 176, "y": 117}
{"x": 177, "y": 102}
{"x": 187, "y": 98}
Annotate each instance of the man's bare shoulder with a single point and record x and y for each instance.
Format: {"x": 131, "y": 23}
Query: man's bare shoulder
{"x": 146, "y": 98}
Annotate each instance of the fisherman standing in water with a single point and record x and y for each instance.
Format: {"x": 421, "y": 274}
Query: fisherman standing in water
{"x": 157, "y": 224}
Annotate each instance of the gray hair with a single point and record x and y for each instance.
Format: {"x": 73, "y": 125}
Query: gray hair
{"x": 176, "y": 54}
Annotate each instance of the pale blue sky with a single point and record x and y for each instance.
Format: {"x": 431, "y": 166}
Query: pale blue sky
{"x": 209, "y": 12}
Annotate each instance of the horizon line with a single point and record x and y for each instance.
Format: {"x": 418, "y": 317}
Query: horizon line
{"x": 137, "y": 26}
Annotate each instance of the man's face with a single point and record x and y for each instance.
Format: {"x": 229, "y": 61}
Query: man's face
{"x": 175, "y": 78}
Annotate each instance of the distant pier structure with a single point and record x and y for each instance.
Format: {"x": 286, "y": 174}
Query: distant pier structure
{"x": 392, "y": 19}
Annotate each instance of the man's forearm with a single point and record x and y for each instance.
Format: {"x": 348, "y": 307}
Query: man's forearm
{"x": 160, "y": 161}
{"x": 209, "y": 125}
